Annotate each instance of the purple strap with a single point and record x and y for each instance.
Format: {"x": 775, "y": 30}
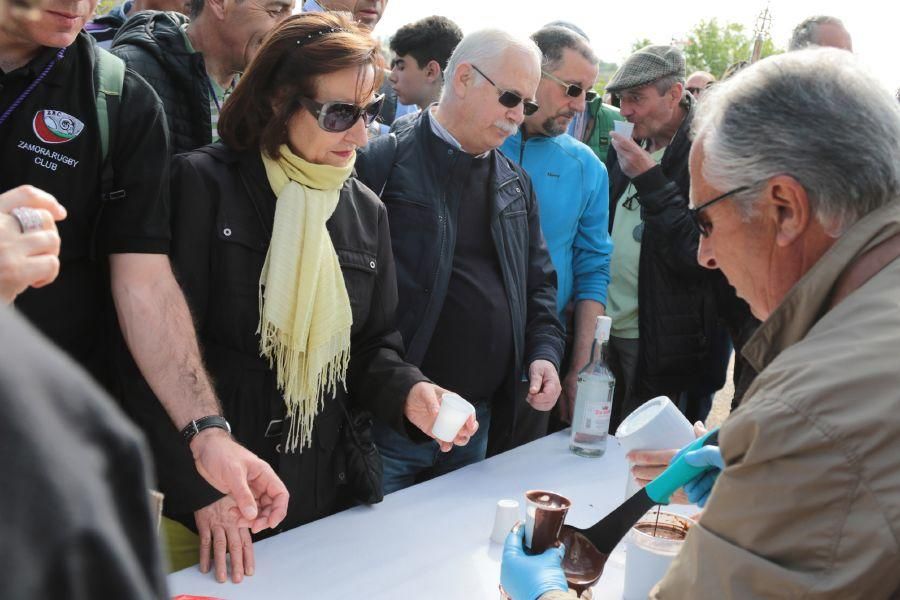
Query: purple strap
{"x": 30, "y": 88}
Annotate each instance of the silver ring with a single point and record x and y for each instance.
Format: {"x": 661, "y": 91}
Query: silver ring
{"x": 29, "y": 218}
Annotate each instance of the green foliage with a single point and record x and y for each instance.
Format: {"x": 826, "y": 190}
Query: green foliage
{"x": 104, "y": 6}
{"x": 712, "y": 47}
{"x": 638, "y": 44}
{"x": 607, "y": 70}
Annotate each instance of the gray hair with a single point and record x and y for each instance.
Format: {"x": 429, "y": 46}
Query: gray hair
{"x": 484, "y": 49}
{"x": 816, "y": 115}
{"x": 664, "y": 84}
{"x": 553, "y": 40}
{"x": 806, "y": 33}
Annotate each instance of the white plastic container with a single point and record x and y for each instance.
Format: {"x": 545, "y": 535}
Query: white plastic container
{"x": 623, "y": 128}
{"x": 505, "y": 518}
{"x": 656, "y": 425}
{"x": 647, "y": 558}
{"x": 451, "y": 417}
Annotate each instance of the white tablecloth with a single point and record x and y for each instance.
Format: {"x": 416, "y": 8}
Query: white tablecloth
{"x": 431, "y": 540}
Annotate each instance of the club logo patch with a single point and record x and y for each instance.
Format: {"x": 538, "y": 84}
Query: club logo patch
{"x": 56, "y": 127}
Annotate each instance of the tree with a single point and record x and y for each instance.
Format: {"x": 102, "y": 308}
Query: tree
{"x": 638, "y": 44}
{"x": 607, "y": 70}
{"x": 104, "y": 6}
{"x": 711, "y": 47}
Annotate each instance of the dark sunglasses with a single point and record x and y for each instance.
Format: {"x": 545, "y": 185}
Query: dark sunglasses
{"x": 510, "y": 99}
{"x": 341, "y": 116}
{"x": 695, "y": 90}
{"x": 701, "y": 227}
{"x": 573, "y": 90}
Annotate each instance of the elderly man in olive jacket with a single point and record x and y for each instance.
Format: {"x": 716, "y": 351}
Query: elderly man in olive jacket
{"x": 808, "y": 232}
{"x": 808, "y": 504}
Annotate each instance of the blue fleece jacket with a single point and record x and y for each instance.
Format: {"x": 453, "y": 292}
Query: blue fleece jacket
{"x": 572, "y": 190}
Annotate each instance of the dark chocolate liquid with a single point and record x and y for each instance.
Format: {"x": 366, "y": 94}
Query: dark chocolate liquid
{"x": 663, "y": 532}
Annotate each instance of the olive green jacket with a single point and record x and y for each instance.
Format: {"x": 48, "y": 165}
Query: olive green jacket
{"x": 808, "y": 505}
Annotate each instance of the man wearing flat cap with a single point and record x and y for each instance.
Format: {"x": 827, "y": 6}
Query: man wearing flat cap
{"x": 665, "y": 308}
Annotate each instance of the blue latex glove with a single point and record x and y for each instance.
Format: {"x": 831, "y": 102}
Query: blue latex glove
{"x": 698, "y": 489}
{"x": 525, "y": 577}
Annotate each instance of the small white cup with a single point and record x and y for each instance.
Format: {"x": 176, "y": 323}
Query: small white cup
{"x": 623, "y": 128}
{"x": 452, "y": 416}
{"x": 656, "y": 425}
{"x": 506, "y": 517}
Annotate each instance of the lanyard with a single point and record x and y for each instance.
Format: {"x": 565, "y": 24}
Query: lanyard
{"x": 212, "y": 92}
{"x": 30, "y": 88}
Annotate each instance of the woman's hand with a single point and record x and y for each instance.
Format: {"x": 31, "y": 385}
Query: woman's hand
{"x": 219, "y": 532}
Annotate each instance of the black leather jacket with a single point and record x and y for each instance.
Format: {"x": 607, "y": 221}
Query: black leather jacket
{"x": 423, "y": 219}
{"x": 679, "y": 302}
{"x": 152, "y": 44}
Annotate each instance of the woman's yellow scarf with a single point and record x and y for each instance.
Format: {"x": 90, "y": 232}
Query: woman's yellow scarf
{"x": 304, "y": 310}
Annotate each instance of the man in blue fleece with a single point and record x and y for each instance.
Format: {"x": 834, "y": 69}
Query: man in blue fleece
{"x": 573, "y": 193}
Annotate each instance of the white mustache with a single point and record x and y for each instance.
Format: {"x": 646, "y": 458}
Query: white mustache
{"x": 507, "y": 127}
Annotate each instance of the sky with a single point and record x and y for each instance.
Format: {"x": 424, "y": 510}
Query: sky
{"x": 614, "y": 26}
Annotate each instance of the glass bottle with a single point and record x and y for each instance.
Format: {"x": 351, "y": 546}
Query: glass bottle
{"x": 594, "y": 398}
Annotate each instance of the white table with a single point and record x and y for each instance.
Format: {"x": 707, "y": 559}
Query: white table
{"x": 431, "y": 540}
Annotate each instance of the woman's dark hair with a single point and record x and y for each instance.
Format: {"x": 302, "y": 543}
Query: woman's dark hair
{"x": 296, "y": 52}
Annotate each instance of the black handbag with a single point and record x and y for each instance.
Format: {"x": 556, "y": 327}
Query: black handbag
{"x": 365, "y": 471}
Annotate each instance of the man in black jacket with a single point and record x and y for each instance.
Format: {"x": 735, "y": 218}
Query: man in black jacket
{"x": 477, "y": 289}
{"x": 193, "y": 63}
{"x": 664, "y": 307}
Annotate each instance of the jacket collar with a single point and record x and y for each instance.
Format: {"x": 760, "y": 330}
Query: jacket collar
{"x": 504, "y": 174}
{"x": 807, "y": 302}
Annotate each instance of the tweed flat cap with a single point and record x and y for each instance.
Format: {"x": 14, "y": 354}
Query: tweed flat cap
{"x": 646, "y": 66}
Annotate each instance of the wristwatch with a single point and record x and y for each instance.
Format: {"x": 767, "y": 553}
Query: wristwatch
{"x": 198, "y": 425}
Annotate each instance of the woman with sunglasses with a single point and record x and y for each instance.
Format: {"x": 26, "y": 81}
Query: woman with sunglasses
{"x": 286, "y": 261}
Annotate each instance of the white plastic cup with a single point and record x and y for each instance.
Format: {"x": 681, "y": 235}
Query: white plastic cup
{"x": 647, "y": 558}
{"x": 656, "y": 425}
{"x": 506, "y": 517}
{"x": 452, "y": 416}
{"x": 623, "y": 128}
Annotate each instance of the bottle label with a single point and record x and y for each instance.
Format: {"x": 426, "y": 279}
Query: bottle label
{"x": 593, "y": 406}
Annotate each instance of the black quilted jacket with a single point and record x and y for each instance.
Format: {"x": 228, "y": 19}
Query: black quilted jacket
{"x": 152, "y": 44}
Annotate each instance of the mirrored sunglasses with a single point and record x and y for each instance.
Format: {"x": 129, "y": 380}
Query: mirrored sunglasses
{"x": 337, "y": 117}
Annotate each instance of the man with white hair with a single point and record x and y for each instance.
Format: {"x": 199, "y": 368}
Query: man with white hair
{"x": 821, "y": 30}
{"x": 477, "y": 306}
{"x": 807, "y": 502}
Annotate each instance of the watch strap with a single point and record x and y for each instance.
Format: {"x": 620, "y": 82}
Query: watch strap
{"x": 197, "y": 425}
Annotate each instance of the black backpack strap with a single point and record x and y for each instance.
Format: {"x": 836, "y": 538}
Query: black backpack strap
{"x": 375, "y": 169}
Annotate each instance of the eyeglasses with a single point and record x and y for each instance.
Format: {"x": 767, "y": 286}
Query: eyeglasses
{"x": 573, "y": 90}
{"x": 510, "y": 99}
{"x": 341, "y": 116}
{"x": 701, "y": 227}
{"x": 695, "y": 90}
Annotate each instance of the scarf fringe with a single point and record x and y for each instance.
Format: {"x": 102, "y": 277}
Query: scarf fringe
{"x": 312, "y": 377}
